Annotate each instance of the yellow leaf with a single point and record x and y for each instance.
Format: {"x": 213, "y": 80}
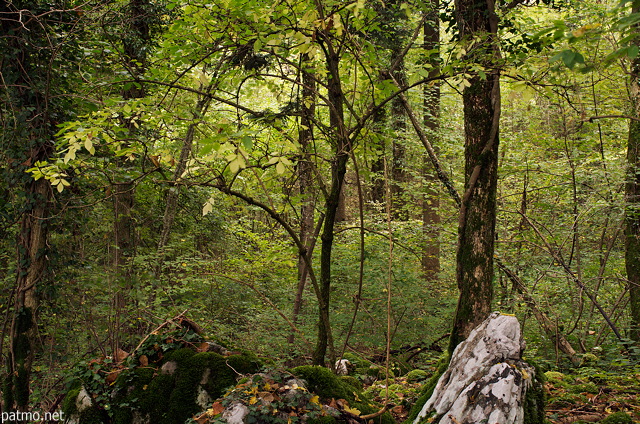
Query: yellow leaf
{"x": 353, "y": 411}
{"x": 315, "y": 399}
{"x": 253, "y": 400}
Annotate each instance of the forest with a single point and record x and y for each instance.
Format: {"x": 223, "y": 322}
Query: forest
{"x": 294, "y": 182}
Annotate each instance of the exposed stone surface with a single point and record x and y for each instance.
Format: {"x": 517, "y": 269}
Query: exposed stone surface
{"x": 235, "y": 413}
{"x": 486, "y": 380}
{"x": 344, "y": 367}
{"x": 169, "y": 367}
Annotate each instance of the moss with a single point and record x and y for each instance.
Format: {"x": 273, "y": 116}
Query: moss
{"x": 133, "y": 389}
{"x": 584, "y": 388}
{"x": 554, "y": 376}
{"x": 69, "y": 402}
{"x": 362, "y": 365}
{"x": 155, "y": 403}
{"x": 325, "y": 384}
{"x": 429, "y": 387}
{"x": 417, "y": 375}
{"x": 534, "y": 399}
{"x": 91, "y": 415}
{"x": 618, "y": 418}
{"x": 191, "y": 368}
{"x": 588, "y": 359}
{"x": 378, "y": 372}
{"x": 352, "y": 381}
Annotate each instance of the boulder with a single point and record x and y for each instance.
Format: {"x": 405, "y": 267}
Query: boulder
{"x": 487, "y": 379}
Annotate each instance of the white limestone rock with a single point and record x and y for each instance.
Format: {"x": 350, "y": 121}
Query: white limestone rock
{"x": 486, "y": 379}
{"x": 235, "y": 413}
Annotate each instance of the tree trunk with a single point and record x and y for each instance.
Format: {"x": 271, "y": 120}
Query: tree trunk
{"x": 305, "y": 185}
{"x": 399, "y": 174}
{"x": 342, "y": 148}
{"x": 135, "y": 42}
{"x": 431, "y": 200}
{"x": 32, "y": 263}
{"x": 632, "y": 195}
{"x": 173, "y": 192}
{"x": 27, "y": 138}
{"x": 476, "y": 227}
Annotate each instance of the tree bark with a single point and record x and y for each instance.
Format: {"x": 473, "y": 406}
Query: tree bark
{"x": 632, "y": 194}
{"x": 305, "y": 184}
{"x": 476, "y": 226}
{"x": 399, "y": 174}
{"x": 27, "y": 137}
{"x": 431, "y": 200}
{"x": 135, "y": 41}
{"x": 342, "y": 147}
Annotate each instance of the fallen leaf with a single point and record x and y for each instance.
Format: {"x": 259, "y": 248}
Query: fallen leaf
{"x": 112, "y": 376}
{"x": 217, "y": 408}
{"x": 120, "y": 355}
{"x": 352, "y": 411}
{"x": 144, "y": 361}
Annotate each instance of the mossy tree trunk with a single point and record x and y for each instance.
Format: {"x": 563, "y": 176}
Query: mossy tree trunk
{"x": 431, "y": 200}
{"x": 632, "y": 194}
{"x": 29, "y": 118}
{"x": 477, "y": 24}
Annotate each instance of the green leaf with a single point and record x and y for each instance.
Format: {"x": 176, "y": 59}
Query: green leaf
{"x": 247, "y": 142}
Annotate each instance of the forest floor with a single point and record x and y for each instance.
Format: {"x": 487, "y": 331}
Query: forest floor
{"x": 587, "y": 395}
{"x": 590, "y": 394}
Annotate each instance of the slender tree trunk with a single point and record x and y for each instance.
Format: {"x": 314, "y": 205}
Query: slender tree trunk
{"x": 632, "y": 195}
{"x": 431, "y": 201}
{"x": 305, "y": 185}
{"x": 173, "y": 192}
{"x": 342, "y": 147}
{"x": 399, "y": 174}
{"x": 476, "y": 227}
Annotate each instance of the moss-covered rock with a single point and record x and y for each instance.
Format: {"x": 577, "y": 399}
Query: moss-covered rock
{"x": 618, "y": 418}
{"x": 352, "y": 381}
{"x": 148, "y": 394}
{"x": 588, "y": 360}
{"x": 417, "y": 375}
{"x": 326, "y": 385}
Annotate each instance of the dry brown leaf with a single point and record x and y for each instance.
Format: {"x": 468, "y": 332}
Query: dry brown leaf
{"x": 144, "y": 361}
{"x": 266, "y": 396}
{"x": 217, "y": 408}
{"x": 120, "y": 355}
{"x": 203, "y": 347}
{"x": 112, "y": 376}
